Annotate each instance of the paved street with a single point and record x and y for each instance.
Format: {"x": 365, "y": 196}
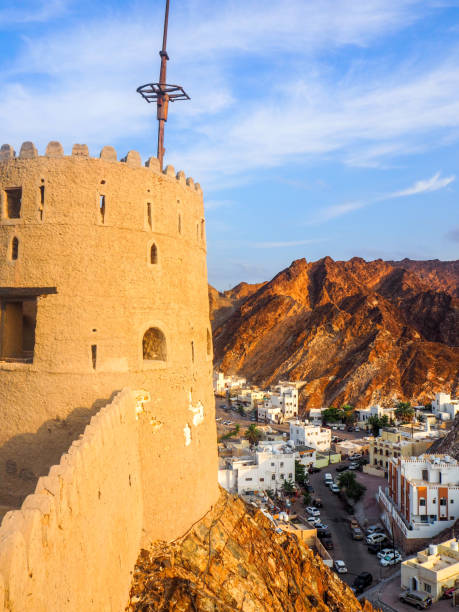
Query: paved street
{"x": 353, "y": 553}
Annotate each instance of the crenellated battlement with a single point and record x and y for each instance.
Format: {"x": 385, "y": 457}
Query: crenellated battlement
{"x": 132, "y": 159}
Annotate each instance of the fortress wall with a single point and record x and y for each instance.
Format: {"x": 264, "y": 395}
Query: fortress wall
{"x": 73, "y": 544}
{"x": 107, "y": 294}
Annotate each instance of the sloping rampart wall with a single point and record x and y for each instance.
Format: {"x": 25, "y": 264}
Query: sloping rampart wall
{"x": 73, "y": 544}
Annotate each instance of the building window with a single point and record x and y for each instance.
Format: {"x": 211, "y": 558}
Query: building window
{"x": 262, "y": 479}
{"x": 13, "y": 200}
{"x": 425, "y": 475}
{"x": 290, "y": 476}
{"x": 273, "y": 464}
{"x": 41, "y": 206}
{"x": 179, "y": 223}
{"x": 282, "y": 477}
{"x": 443, "y": 501}
{"x": 153, "y": 254}
{"x": 192, "y": 351}
{"x": 427, "y": 588}
{"x": 422, "y": 501}
{"x": 282, "y": 464}
{"x": 17, "y": 337}
{"x": 102, "y": 208}
{"x": 154, "y": 345}
{"x": 94, "y": 356}
{"x": 273, "y": 477}
{"x": 149, "y": 217}
{"x": 14, "y": 249}
{"x": 248, "y": 479}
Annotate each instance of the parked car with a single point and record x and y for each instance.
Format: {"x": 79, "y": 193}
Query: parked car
{"x": 313, "y": 511}
{"x": 376, "y": 538}
{"x": 317, "y": 502}
{"x": 350, "y": 428}
{"x": 391, "y": 559}
{"x": 328, "y": 543}
{"x": 313, "y": 520}
{"x": 341, "y": 468}
{"x": 313, "y": 470}
{"x": 353, "y": 466}
{"x": 418, "y": 599}
{"x": 386, "y": 551}
{"x": 334, "y": 488}
{"x": 356, "y": 533}
{"x": 361, "y": 582}
{"x": 374, "y": 548}
{"x": 355, "y": 456}
{"x": 374, "y": 529}
{"x": 328, "y": 478}
{"x": 448, "y": 593}
{"x": 357, "y": 429}
{"x": 340, "y": 567}
{"x": 323, "y": 533}
{"x": 321, "y": 525}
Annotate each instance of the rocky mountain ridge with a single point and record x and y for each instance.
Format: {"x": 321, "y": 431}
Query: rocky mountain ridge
{"x": 353, "y": 331}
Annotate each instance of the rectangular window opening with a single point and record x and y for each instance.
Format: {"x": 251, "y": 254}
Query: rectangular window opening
{"x": 17, "y": 330}
{"x": 94, "y": 355}
{"x": 42, "y": 202}
{"x": 13, "y": 200}
{"x": 102, "y": 208}
{"x": 149, "y": 218}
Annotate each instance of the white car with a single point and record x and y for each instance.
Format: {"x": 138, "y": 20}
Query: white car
{"x": 391, "y": 559}
{"x": 376, "y": 538}
{"x": 334, "y": 488}
{"x": 313, "y": 520}
{"x": 340, "y": 567}
{"x": 355, "y": 457}
{"x": 313, "y": 511}
{"x": 386, "y": 551}
{"x": 321, "y": 525}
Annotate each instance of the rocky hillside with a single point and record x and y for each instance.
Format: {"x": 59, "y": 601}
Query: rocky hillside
{"x": 449, "y": 445}
{"x": 353, "y": 331}
{"x": 234, "y": 560}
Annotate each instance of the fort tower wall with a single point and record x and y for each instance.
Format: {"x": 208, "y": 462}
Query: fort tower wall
{"x": 94, "y": 253}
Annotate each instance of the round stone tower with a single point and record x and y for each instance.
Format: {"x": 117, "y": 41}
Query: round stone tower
{"x": 103, "y": 285}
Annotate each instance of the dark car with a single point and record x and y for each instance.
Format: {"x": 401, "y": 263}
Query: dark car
{"x": 327, "y": 543}
{"x": 314, "y": 470}
{"x": 419, "y": 600}
{"x": 362, "y": 581}
{"x": 323, "y": 533}
{"x": 341, "y": 468}
{"x": 309, "y": 488}
{"x": 317, "y": 502}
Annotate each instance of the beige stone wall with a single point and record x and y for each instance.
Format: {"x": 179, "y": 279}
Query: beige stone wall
{"x": 73, "y": 544}
{"x": 108, "y": 294}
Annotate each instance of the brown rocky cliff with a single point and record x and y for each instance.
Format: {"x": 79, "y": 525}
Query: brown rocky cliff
{"x": 234, "y": 560}
{"x": 354, "y": 331}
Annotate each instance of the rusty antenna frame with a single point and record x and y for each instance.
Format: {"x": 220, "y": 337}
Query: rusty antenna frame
{"x": 162, "y": 93}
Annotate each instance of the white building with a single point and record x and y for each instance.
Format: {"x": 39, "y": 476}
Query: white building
{"x": 223, "y": 383}
{"x": 444, "y": 407}
{"x": 315, "y": 416}
{"x": 364, "y": 414}
{"x": 302, "y": 433}
{"x": 250, "y": 397}
{"x": 433, "y": 570}
{"x": 279, "y": 405}
{"x": 423, "y": 495}
{"x": 268, "y": 467}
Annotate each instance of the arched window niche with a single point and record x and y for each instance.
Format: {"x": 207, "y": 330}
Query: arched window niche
{"x": 154, "y": 345}
{"x": 153, "y": 256}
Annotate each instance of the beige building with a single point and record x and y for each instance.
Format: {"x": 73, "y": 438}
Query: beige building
{"x": 393, "y": 443}
{"x": 433, "y": 570}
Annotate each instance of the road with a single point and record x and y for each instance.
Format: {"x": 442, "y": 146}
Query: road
{"x": 353, "y": 553}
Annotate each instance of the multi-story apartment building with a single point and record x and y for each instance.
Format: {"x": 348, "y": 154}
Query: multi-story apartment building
{"x": 364, "y": 414}
{"x": 422, "y": 498}
{"x": 280, "y": 404}
{"x": 444, "y": 407}
{"x": 223, "y": 383}
{"x": 302, "y": 433}
{"x": 393, "y": 443}
{"x": 265, "y": 468}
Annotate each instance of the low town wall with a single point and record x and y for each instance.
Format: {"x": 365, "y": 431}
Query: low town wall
{"x": 368, "y": 469}
{"x": 73, "y": 544}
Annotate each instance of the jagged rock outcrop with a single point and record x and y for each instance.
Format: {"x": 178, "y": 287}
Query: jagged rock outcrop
{"x": 234, "y": 560}
{"x": 353, "y": 331}
{"x": 449, "y": 444}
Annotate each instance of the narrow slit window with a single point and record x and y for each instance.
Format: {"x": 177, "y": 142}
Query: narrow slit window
{"x": 14, "y": 249}
{"x": 102, "y": 208}
{"x": 42, "y": 202}
{"x": 209, "y": 343}
{"x": 149, "y": 218}
{"x": 179, "y": 222}
{"x": 192, "y": 351}
{"x": 153, "y": 254}
{"x": 202, "y": 229}
{"x": 94, "y": 356}
{"x": 13, "y": 203}
{"x": 197, "y": 231}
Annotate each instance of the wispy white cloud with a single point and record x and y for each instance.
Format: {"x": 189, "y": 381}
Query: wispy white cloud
{"x": 214, "y": 204}
{"x": 288, "y": 243}
{"x": 30, "y": 11}
{"x": 434, "y": 183}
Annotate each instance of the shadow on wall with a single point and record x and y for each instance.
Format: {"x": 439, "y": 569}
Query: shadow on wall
{"x": 26, "y": 457}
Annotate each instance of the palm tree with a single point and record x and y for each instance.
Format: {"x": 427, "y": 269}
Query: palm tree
{"x": 253, "y": 434}
{"x": 288, "y": 487}
{"x": 404, "y": 412}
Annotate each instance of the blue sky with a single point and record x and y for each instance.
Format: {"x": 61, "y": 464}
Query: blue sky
{"x": 316, "y": 127}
